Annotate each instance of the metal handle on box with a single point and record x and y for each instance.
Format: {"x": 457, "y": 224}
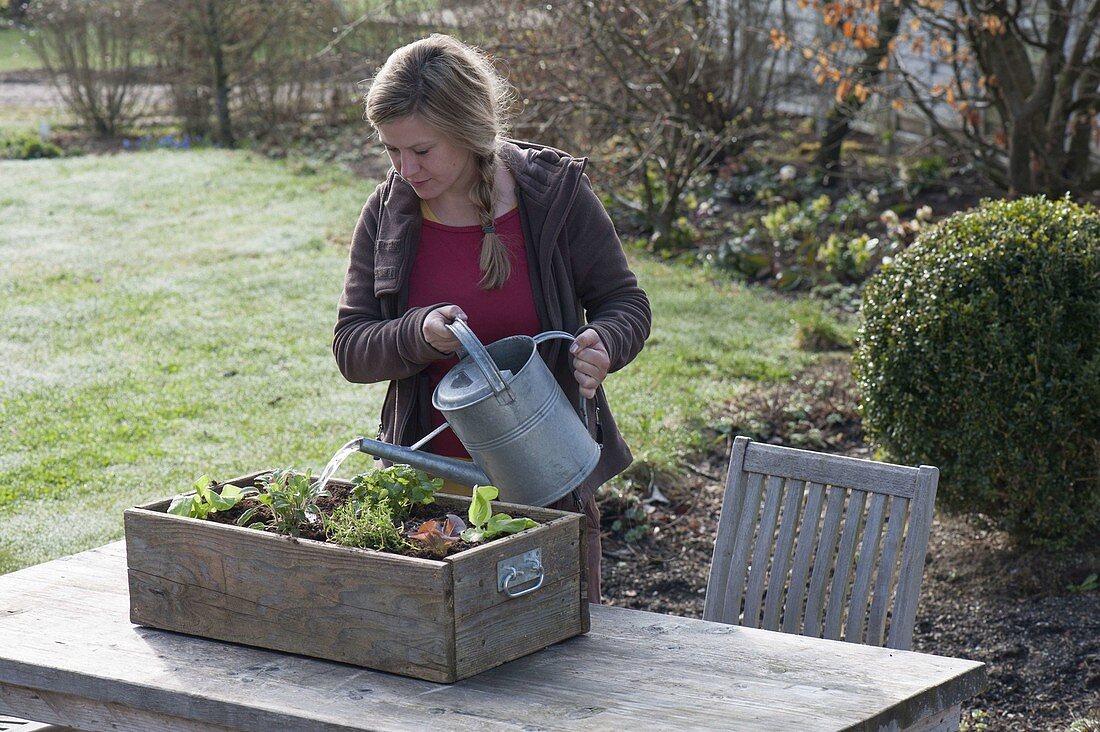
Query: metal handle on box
{"x": 519, "y": 570}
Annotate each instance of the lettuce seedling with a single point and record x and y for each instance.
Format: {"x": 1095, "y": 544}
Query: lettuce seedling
{"x": 291, "y": 498}
{"x": 486, "y": 525}
{"x": 205, "y": 501}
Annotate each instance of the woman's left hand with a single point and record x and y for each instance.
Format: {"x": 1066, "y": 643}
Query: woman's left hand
{"x": 590, "y": 361}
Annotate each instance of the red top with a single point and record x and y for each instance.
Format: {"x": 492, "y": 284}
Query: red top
{"x": 446, "y": 270}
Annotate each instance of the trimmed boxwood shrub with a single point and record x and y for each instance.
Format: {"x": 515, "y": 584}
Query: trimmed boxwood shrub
{"x": 980, "y": 354}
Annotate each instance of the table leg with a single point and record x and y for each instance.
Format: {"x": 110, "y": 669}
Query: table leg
{"x": 946, "y": 721}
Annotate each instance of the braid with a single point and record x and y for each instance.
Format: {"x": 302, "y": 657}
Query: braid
{"x": 494, "y": 264}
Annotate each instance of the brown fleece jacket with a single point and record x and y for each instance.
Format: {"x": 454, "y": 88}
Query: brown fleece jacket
{"x": 579, "y": 277}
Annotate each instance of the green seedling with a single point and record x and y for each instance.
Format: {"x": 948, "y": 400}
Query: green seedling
{"x": 1089, "y": 585}
{"x": 484, "y": 524}
{"x": 292, "y": 499}
{"x": 365, "y": 527}
{"x": 205, "y": 500}
{"x": 401, "y": 486}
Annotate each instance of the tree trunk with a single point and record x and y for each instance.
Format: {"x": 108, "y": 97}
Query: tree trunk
{"x": 1019, "y": 160}
{"x": 221, "y": 100}
{"x": 837, "y": 125}
{"x": 838, "y": 121}
{"x": 220, "y": 73}
{"x": 1079, "y": 160}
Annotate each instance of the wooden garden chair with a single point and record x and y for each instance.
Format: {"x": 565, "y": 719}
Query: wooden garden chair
{"x": 781, "y": 563}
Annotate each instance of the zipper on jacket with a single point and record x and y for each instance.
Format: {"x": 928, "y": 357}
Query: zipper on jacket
{"x": 395, "y": 437}
{"x": 400, "y": 421}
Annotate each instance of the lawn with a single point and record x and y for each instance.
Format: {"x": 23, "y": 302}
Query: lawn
{"x": 169, "y": 314}
{"x": 15, "y": 54}
{"x": 25, "y": 107}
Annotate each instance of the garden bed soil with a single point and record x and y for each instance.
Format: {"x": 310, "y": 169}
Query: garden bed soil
{"x": 338, "y": 495}
{"x": 981, "y": 599}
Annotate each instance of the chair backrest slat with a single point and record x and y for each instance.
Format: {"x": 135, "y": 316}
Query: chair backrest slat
{"x": 817, "y": 544}
{"x": 750, "y": 509}
{"x": 784, "y": 545}
{"x": 803, "y": 553}
{"x": 865, "y": 567}
{"x": 884, "y": 581}
{"x": 842, "y": 570}
{"x": 765, "y": 538}
{"x": 823, "y": 561}
{"x": 912, "y": 559}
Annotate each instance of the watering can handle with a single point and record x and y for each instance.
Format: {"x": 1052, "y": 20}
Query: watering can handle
{"x": 480, "y": 356}
{"x": 567, "y": 336}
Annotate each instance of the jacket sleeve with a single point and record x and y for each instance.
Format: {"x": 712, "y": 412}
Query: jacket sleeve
{"x": 615, "y": 306}
{"x": 368, "y": 346}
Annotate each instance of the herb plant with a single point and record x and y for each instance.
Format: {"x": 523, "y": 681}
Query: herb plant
{"x": 484, "y": 524}
{"x": 401, "y": 485}
{"x": 365, "y": 526}
{"x": 205, "y": 500}
{"x": 291, "y": 497}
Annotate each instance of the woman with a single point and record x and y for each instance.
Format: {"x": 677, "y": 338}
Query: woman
{"x": 505, "y": 235}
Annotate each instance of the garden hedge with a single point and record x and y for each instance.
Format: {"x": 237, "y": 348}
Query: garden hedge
{"x": 980, "y": 354}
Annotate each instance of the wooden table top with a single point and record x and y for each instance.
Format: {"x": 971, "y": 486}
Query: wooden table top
{"x": 70, "y": 656}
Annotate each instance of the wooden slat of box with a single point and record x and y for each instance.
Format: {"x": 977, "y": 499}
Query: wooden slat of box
{"x": 435, "y": 620}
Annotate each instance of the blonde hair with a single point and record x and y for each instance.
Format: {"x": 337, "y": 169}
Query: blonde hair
{"x": 454, "y": 89}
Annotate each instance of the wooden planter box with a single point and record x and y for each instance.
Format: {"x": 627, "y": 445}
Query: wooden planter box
{"x": 435, "y": 620}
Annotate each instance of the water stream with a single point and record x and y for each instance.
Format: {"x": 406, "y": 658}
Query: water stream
{"x": 340, "y": 456}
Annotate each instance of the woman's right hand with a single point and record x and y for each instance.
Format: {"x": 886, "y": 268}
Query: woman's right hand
{"x": 435, "y": 329}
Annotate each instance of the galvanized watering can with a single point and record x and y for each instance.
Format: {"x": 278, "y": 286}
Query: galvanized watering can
{"x": 509, "y": 412}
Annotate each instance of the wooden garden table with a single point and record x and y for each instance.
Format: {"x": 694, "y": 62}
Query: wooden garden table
{"x": 69, "y": 656}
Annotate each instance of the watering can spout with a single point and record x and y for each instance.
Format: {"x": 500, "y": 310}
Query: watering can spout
{"x": 457, "y": 471}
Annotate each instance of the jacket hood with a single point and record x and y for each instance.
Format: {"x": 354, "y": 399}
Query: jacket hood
{"x": 547, "y": 178}
{"x": 547, "y": 181}
{"x": 541, "y": 171}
